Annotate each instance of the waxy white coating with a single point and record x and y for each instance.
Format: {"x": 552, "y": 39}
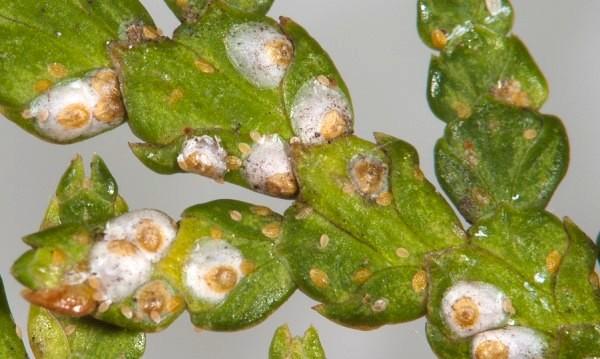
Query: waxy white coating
{"x": 247, "y": 48}
{"x": 209, "y": 255}
{"x": 313, "y": 102}
{"x": 522, "y": 343}
{"x": 490, "y": 302}
{"x": 267, "y": 158}
{"x": 207, "y": 152}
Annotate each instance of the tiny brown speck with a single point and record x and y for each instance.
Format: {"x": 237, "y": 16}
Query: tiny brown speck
{"x": 384, "y": 199}
{"x": 233, "y": 163}
{"x": 530, "y": 134}
{"x": 244, "y": 148}
{"x": 204, "y": 66}
{"x": 439, "y": 39}
{"x": 261, "y": 210}
{"x": 216, "y": 233}
{"x": 42, "y": 86}
{"x": 553, "y": 261}
{"x": 57, "y": 70}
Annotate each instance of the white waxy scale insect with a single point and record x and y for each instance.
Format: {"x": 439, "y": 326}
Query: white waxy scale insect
{"x": 259, "y": 52}
{"x": 203, "y": 155}
{"x": 268, "y": 167}
{"x": 469, "y": 308}
{"x": 510, "y": 342}
{"x": 150, "y": 230}
{"x": 212, "y": 270}
{"x": 78, "y": 108}
{"x": 321, "y": 112}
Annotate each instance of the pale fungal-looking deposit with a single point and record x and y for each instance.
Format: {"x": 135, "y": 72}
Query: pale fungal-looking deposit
{"x": 213, "y": 270}
{"x": 268, "y": 168}
{"x": 472, "y": 307}
{"x": 259, "y": 52}
{"x": 78, "y": 108}
{"x": 321, "y": 112}
{"x": 151, "y": 231}
{"x": 204, "y": 155}
{"x": 120, "y": 267}
{"x": 508, "y": 343}
{"x": 369, "y": 176}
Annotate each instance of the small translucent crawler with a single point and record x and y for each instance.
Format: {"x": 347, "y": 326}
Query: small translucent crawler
{"x": 473, "y": 307}
{"x": 149, "y": 230}
{"x": 120, "y": 268}
{"x": 259, "y": 52}
{"x": 213, "y": 270}
{"x": 508, "y": 343}
{"x": 321, "y": 112}
{"x": 369, "y": 176}
{"x": 79, "y": 108}
{"x": 268, "y": 168}
{"x": 493, "y": 6}
{"x": 205, "y": 156}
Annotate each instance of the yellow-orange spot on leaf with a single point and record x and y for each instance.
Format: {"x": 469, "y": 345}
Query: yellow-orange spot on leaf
{"x": 244, "y": 148}
{"x": 248, "y": 267}
{"x": 530, "y": 134}
{"x": 272, "y": 230}
{"x": 463, "y": 110}
{"x": 126, "y": 311}
{"x": 553, "y": 261}
{"x": 323, "y": 241}
{"x": 419, "y": 281}
{"x": 175, "y": 96}
{"x": 216, "y": 233}
{"x": 58, "y": 257}
{"x": 362, "y": 275}
{"x": 204, "y": 66}
{"x": 384, "y": 199}
{"x": 233, "y": 163}
{"x": 74, "y": 301}
{"x": 260, "y": 210}
{"x": 42, "y": 85}
{"x": 319, "y": 278}
{"x": 439, "y": 39}
{"x": 57, "y": 70}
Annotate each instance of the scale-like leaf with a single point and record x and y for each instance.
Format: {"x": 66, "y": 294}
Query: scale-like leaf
{"x": 502, "y": 156}
{"x": 285, "y": 346}
{"x": 363, "y": 243}
{"x": 235, "y": 242}
{"x": 46, "y": 45}
{"x": 191, "y": 10}
{"x": 480, "y": 68}
{"x": 11, "y": 344}
{"x": 440, "y": 21}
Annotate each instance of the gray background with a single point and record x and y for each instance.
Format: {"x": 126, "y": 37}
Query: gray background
{"x": 376, "y": 48}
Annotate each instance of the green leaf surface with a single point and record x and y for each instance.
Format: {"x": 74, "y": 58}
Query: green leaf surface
{"x": 263, "y": 282}
{"x": 57, "y": 337}
{"x": 502, "y": 156}
{"x": 192, "y": 10}
{"x": 533, "y": 304}
{"x": 453, "y": 17}
{"x": 444, "y": 347}
{"x": 532, "y": 242}
{"x": 364, "y": 255}
{"x": 577, "y": 292}
{"x": 11, "y": 345}
{"x": 45, "y": 43}
{"x": 285, "y": 346}
{"x": 190, "y": 83}
{"x": 579, "y": 342}
{"x": 482, "y": 68}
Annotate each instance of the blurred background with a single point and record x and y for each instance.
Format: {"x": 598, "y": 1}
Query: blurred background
{"x": 377, "y": 50}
